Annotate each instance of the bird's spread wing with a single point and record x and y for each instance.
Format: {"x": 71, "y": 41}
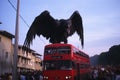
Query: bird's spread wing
{"x": 77, "y": 26}
{"x": 43, "y": 25}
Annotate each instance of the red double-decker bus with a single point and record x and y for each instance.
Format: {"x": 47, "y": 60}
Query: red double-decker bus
{"x": 65, "y": 62}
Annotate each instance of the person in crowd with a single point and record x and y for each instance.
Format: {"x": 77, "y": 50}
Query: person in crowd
{"x": 22, "y": 76}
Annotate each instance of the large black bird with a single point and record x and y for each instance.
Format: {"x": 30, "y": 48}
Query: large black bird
{"x": 55, "y": 30}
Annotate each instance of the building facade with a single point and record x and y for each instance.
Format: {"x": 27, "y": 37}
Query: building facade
{"x": 5, "y": 52}
{"x": 29, "y": 60}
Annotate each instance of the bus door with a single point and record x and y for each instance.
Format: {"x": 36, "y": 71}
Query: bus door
{"x": 78, "y": 72}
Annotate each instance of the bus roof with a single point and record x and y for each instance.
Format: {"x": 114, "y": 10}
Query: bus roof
{"x": 58, "y": 45}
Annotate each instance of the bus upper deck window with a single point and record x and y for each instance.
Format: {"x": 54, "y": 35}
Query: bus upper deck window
{"x": 50, "y": 50}
{"x": 59, "y": 50}
{"x": 63, "y": 50}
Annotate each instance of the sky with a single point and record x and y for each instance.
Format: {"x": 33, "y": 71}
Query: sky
{"x": 101, "y": 21}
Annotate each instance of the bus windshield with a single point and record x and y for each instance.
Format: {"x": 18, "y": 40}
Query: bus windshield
{"x": 58, "y": 50}
{"x": 58, "y": 65}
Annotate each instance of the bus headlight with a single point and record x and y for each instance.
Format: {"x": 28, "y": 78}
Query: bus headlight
{"x": 67, "y": 77}
{"x": 45, "y": 77}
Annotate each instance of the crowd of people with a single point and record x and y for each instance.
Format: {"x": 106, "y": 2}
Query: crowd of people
{"x": 29, "y": 75}
{"x": 105, "y": 73}
{"x": 97, "y": 73}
